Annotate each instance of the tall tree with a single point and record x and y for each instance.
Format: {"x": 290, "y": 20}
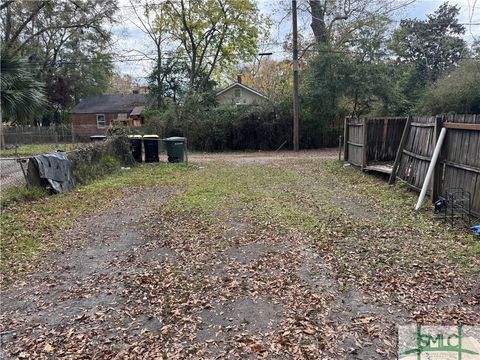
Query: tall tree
{"x": 25, "y": 21}
{"x": 173, "y": 75}
{"x": 65, "y": 42}
{"x": 214, "y": 33}
{"x": 432, "y": 46}
{"x": 270, "y": 77}
{"x": 121, "y": 84}
{"x": 457, "y": 91}
{"x": 150, "y": 18}
{"x": 335, "y": 22}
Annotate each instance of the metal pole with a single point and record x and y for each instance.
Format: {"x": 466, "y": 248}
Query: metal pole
{"x": 296, "y": 106}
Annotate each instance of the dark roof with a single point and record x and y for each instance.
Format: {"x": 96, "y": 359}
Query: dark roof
{"x": 109, "y": 104}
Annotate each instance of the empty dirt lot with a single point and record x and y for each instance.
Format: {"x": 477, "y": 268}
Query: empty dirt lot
{"x": 262, "y": 255}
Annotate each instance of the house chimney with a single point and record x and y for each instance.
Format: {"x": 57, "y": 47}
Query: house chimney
{"x": 239, "y": 78}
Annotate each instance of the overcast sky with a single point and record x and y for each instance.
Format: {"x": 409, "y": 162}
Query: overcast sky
{"x": 129, "y": 38}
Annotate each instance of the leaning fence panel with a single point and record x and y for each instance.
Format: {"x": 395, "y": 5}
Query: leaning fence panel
{"x": 458, "y": 165}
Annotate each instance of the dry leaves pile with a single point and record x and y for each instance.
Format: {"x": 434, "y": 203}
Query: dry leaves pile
{"x": 242, "y": 279}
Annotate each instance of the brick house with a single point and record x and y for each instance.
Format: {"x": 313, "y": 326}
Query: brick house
{"x": 93, "y": 115}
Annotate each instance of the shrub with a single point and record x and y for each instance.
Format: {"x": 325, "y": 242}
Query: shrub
{"x": 101, "y": 159}
{"x": 458, "y": 91}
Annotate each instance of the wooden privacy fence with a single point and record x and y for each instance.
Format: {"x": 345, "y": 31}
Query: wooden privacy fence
{"x": 372, "y": 141}
{"x": 373, "y": 144}
{"x": 458, "y": 165}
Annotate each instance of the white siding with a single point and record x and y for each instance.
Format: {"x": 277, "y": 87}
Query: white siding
{"x": 246, "y": 97}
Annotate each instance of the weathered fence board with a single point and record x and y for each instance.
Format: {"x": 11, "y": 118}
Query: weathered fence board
{"x": 372, "y": 140}
{"x": 411, "y": 143}
{"x": 418, "y": 151}
{"x": 354, "y": 141}
{"x": 459, "y": 161}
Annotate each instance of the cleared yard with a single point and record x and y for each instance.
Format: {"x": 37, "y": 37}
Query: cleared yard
{"x": 261, "y": 255}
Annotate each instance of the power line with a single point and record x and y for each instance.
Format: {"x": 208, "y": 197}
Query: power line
{"x": 127, "y": 60}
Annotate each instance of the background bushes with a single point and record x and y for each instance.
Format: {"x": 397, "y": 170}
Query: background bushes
{"x": 243, "y": 128}
{"x": 100, "y": 159}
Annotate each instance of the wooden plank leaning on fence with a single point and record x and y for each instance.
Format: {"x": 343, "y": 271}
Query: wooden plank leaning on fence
{"x": 401, "y": 146}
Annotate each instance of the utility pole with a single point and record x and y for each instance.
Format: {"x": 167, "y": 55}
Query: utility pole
{"x": 296, "y": 106}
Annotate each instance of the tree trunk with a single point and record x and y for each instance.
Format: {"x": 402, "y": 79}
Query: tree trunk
{"x": 159, "y": 75}
{"x": 319, "y": 28}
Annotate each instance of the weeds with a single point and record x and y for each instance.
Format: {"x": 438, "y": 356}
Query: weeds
{"x": 19, "y": 194}
{"x": 35, "y": 149}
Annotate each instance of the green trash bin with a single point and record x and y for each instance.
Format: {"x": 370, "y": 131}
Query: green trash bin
{"x": 175, "y": 148}
{"x": 136, "y": 146}
{"x": 150, "y": 143}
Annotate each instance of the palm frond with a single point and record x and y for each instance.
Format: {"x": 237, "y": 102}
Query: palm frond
{"x": 21, "y": 95}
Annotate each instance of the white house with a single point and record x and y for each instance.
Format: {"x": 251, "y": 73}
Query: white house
{"x": 239, "y": 94}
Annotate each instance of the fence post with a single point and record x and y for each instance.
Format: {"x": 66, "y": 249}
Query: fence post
{"x": 73, "y": 135}
{"x": 340, "y": 148}
{"x": 345, "y": 140}
{"x": 385, "y": 133}
{"x": 16, "y": 140}
{"x": 56, "y": 137}
{"x": 438, "y": 170}
{"x": 364, "y": 143}
{"x": 401, "y": 146}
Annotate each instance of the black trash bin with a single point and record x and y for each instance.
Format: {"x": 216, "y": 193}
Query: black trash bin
{"x": 136, "y": 146}
{"x": 150, "y": 143}
{"x": 175, "y": 148}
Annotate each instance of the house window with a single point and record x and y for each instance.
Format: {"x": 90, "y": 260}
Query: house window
{"x": 122, "y": 116}
{"x": 237, "y": 93}
{"x": 100, "y": 121}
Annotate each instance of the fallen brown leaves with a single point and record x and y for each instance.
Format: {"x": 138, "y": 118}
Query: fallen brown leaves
{"x": 245, "y": 279}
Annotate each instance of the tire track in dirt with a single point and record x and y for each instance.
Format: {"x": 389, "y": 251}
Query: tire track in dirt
{"x": 76, "y": 297}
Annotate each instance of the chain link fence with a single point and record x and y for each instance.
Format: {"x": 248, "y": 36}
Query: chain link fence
{"x": 22, "y": 142}
{"x": 89, "y": 161}
{"x": 13, "y": 171}
{"x": 16, "y": 136}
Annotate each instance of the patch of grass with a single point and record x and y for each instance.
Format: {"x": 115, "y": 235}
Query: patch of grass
{"x": 28, "y": 228}
{"x": 35, "y": 149}
{"x": 18, "y": 194}
{"x": 465, "y": 255}
{"x": 341, "y": 210}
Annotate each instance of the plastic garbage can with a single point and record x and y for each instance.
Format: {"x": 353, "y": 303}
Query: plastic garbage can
{"x": 150, "y": 143}
{"x": 175, "y": 149}
{"x": 136, "y": 146}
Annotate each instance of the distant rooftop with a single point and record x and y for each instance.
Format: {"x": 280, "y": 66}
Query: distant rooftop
{"x": 109, "y": 103}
